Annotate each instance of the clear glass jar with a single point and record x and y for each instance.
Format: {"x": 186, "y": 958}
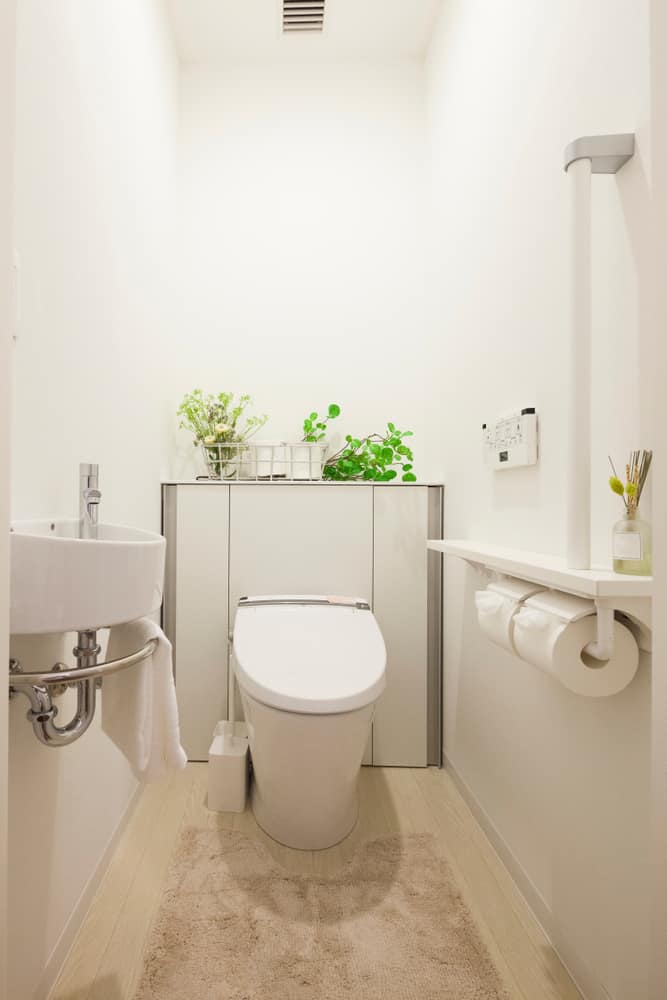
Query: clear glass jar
{"x": 631, "y": 545}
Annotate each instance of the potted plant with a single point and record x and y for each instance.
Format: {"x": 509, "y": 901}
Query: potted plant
{"x": 220, "y": 429}
{"x": 307, "y": 457}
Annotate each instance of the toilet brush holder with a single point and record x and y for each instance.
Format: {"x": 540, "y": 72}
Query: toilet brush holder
{"x": 229, "y": 768}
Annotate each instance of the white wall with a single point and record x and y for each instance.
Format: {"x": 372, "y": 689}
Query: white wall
{"x": 96, "y": 122}
{"x": 302, "y": 240}
{"x": 7, "y": 67}
{"x": 562, "y": 781}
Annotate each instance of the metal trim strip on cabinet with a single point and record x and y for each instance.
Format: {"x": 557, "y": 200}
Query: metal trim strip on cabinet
{"x": 170, "y": 532}
{"x": 434, "y": 663}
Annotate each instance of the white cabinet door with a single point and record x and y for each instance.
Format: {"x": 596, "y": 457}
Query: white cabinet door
{"x": 199, "y": 620}
{"x": 400, "y": 605}
{"x": 300, "y": 540}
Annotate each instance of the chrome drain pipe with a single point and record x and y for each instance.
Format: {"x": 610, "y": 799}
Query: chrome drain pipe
{"x": 40, "y": 687}
{"x": 43, "y": 712}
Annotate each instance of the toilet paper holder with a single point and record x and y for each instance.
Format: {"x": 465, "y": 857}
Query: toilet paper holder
{"x": 631, "y": 614}
{"x": 603, "y": 647}
{"x": 622, "y": 630}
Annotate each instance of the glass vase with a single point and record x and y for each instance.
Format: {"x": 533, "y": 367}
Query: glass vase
{"x": 631, "y": 545}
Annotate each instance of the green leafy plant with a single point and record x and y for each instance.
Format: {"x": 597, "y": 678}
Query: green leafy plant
{"x": 375, "y": 458}
{"x": 315, "y": 427}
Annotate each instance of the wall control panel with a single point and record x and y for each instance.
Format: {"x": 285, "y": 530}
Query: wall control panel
{"x": 511, "y": 441}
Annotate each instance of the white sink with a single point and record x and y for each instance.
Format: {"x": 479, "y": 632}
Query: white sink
{"x": 62, "y": 583}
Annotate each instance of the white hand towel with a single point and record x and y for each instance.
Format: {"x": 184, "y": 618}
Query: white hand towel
{"x": 139, "y": 709}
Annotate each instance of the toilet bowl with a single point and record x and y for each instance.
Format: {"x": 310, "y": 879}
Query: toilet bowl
{"x": 310, "y": 670}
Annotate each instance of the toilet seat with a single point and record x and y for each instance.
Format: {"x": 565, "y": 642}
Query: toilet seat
{"x": 310, "y": 654}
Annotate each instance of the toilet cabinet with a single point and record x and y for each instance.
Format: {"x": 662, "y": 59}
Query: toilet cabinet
{"x": 226, "y": 540}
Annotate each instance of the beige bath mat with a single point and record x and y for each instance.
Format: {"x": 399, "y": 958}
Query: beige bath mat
{"x": 391, "y": 925}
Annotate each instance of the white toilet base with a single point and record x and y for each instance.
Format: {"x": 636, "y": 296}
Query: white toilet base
{"x": 306, "y": 771}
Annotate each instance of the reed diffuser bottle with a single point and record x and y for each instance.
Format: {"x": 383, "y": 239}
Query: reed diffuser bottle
{"x": 631, "y": 536}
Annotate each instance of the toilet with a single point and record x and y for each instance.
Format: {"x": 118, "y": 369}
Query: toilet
{"x": 310, "y": 670}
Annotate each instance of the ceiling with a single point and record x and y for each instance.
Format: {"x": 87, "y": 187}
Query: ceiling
{"x": 213, "y": 31}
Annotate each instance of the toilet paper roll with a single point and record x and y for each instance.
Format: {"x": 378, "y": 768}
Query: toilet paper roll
{"x": 494, "y": 614}
{"x": 557, "y": 647}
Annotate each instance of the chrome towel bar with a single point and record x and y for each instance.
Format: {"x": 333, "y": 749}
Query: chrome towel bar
{"x": 60, "y": 674}
{"x": 41, "y": 687}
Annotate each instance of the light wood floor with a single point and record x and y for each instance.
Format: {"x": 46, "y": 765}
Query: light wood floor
{"x": 106, "y": 959}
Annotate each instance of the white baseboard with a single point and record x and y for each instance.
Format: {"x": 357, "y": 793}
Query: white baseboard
{"x": 588, "y": 984}
{"x": 59, "y": 955}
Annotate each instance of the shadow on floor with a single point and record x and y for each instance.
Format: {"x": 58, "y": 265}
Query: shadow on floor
{"x": 341, "y": 883}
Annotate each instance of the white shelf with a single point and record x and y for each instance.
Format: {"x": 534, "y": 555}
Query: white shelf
{"x": 550, "y": 571}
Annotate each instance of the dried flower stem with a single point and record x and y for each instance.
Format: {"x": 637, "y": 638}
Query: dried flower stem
{"x": 636, "y": 472}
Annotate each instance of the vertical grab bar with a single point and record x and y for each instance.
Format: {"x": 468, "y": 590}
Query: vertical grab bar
{"x": 591, "y": 154}
{"x": 579, "y": 372}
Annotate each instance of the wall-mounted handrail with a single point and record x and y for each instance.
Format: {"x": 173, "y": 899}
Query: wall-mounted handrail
{"x": 587, "y": 155}
{"x": 59, "y": 674}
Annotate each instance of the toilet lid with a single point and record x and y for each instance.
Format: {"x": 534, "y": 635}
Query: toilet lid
{"x": 322, "y": 657}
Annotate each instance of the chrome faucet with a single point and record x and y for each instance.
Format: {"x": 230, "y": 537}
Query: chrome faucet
{"x": 89, "y": 499}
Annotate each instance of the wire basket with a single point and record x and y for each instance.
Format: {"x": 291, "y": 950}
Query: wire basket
{"x": 266, "y": 460}
{"x": 225, "y": 460}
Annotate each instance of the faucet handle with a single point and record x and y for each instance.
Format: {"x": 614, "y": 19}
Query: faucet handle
{"x": 89, "y": 469}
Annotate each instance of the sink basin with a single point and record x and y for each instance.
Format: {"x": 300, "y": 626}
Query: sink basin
{"x": 62, "y": 583}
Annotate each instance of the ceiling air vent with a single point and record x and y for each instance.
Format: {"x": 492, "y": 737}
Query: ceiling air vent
{"x": 303, "y": 15}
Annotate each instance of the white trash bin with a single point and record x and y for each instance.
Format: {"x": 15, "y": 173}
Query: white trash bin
{"x": 228, "y": 768}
